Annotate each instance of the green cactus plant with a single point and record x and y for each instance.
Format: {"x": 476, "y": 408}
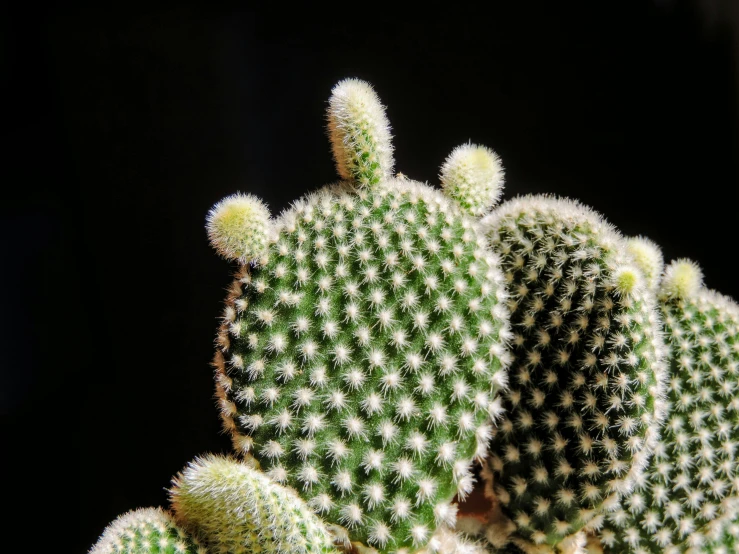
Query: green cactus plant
{"x": 146, "y": 531}
{"x": 236, "y": 509}
{"x": 585, "y": 394}
{"x": 689, "y": 496}
{"x": 362, "y": 349}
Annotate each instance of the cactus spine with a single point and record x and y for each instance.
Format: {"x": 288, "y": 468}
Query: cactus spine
{"x": 359, "y": 362}
{"x": 688, "y": 498}
{"x": 586, "y": 386}
{"x": 146, "y": 531}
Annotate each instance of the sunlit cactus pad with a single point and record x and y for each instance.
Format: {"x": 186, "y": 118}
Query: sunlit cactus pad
{"x": 584, "y": 397}
{"x": 364, "y": 356}
{"x": 146, "y": 531}
{"x": 691, "y": 487}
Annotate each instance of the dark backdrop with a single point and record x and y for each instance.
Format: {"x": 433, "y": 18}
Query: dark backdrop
{"x": 122, "y": 128}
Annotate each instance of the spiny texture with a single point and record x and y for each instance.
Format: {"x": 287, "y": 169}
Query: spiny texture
{"x": 359, "y": 364}
{"x": 359, "y": 133}
{"x": 473, "y": 176}
{"x": 146, "y": 531}
{"x": 237, "y": 510}
{"x": 585, "y": 390}
{"x": 691, "y": 487}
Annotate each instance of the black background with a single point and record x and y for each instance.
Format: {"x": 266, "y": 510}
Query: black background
{"x": 122, "y": 128}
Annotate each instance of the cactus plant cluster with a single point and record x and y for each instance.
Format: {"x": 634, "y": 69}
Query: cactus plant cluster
{"x": 389, "y": 347}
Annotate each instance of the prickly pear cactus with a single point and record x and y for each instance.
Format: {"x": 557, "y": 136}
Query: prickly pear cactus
{"x": 585, "y": 394}
{"x": 690, "y": 492}
{"x": 363, "y": 347}
{"x": 146, "y": 531}
{"x": 237, "y": 509}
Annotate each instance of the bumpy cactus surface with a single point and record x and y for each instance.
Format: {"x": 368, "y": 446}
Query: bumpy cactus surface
{"x": 362, "y": 350}
{"x": 689, "y": 494}
{"x": 236, "y": 509}
{"x": 146, "y": 531}
{"x": 585, "y": 388}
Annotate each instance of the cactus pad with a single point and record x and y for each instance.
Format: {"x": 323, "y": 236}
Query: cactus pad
{"x": 146, "y": 531}
{"x": 360, "y": 357}
{"x": 585, "y": 387}
{"x": 691, "y": 488}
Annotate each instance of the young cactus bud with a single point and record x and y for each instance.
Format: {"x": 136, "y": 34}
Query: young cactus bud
{"x": 691, "y": 487}
{"x": 473, "y": 176}
{"x": 648, "y": 257}
{"x": 146, "y": 531}
{"x": 238, "y": 227}
{"x": 235, "y": 508}
{"x": 683, "y": 279}
{"x": 359, "y": 133}
{"x": 585, "y": 395}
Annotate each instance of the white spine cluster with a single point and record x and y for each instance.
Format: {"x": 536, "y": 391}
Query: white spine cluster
{"x": 586, "y": 390}
{"x": 235, "y": 508}
{"x": 360, "y": 133}
{"x": 146, "y": 531}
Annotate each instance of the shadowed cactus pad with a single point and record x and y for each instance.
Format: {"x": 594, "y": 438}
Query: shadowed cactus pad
{"x": 691, "y": 487}
{"x": 146, "y": 531}
{"x": 236, "y": 509}
{"x": 359, "y": 360}
{"x": 585, "y": 392}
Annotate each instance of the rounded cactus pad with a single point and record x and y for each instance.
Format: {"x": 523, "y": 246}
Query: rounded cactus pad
{"x": 691, "y": 487}
{"x": 146, "y": 531}
{"x": 237, "y": 509}
{"x": 360, "y": 363}
{"x": 585, "y": 394}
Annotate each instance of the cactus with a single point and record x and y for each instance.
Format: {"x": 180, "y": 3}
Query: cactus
{"x": 686, "y": 500}
{"x": 361, "y": 352}
{"x": 585, "y": 393}
{"x": 146, "y": 531}
{"x": 236, "y": 509}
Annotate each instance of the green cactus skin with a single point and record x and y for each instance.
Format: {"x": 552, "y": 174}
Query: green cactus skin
{"x": 691, "y": 487}
{"x": 236, "y": 509}
{"x": 146, "y": 531}
{"x": 360, "y": 357}
{"x": 585, "y": 393}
